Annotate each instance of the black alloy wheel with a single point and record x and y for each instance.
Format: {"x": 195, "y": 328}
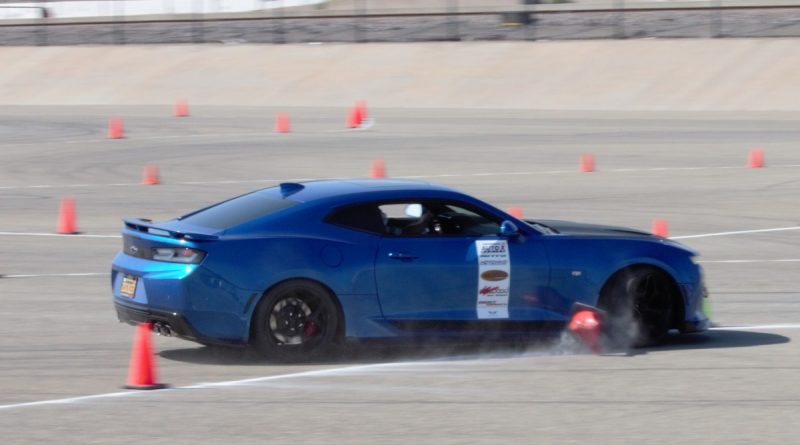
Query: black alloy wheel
{"x": 296, "y": 320}
{"x": 639, "y": 307}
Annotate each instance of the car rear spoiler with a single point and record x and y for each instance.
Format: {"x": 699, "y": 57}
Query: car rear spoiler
{"x": 147, "y": 226}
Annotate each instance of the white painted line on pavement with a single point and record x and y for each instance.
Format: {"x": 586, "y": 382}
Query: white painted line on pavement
{"x": 316, "y": 373}
{"x": 433, "y": 176}
{"x": 75, "y": 235}
{"x": 247, "y": 181}
{"x": 365, "y": 125}
{"x": 51, "y": 186}
{"x": 80, "y": 274}
{"x": 762, "y": 327}
{"x": 68, "y": 400}
{"x": 787, "y": 260}
{"x": 738, "y": 232}
{"x": 230, "y": 383}
{"x": 702, "y": 235}
{"x": 176, "y": 136}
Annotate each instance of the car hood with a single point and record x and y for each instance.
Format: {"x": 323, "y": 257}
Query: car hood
{"x": 576, "y": 228}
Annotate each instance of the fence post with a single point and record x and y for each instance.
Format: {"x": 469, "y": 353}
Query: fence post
{"x": 41, "y": 30}
{"x": 716, "y": 19}
{"x": 278, "y": 18}
{"x": 530, "y": 27}
{"x": 197, "y": 22}
{"x": 360, "y": 10}
{"x": 452, "y": 23}
{"x": 620, "y": 31}
{"x": 119, "y": 23}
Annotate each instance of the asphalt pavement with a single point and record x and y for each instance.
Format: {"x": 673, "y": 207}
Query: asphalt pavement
{"x": 64, "y": 358}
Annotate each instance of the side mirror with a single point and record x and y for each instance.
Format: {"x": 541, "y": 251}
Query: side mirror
{"x": 414, "y": 210}
{"x": 508, "y": 229}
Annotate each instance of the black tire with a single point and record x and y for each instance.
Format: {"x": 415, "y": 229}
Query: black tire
{"x": 639, "y": 307}
{"x": 296, "y": 320}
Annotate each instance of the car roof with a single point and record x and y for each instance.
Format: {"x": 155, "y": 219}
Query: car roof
{"x": 310, "y": 196}
{"x": 310, "y": 191}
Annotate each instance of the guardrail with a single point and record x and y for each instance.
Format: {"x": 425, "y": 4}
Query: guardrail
{"x": 37, "y": 12}
{"x": 520, "y": 23}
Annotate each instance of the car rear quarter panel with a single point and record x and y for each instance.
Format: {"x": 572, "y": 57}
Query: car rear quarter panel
{"x": 260, "y": 263}
{"x": 342, "y": 261}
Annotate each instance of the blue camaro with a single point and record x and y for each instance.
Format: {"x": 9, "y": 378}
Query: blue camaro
{"x": 294, "y": 269}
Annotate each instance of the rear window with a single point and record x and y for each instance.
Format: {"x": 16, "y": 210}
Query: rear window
{"x": 238, "y": 210}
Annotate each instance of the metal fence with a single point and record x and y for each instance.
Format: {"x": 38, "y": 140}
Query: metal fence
{"x": 446, "y": 20}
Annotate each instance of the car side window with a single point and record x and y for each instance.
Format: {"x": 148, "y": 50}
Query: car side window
{"x": 362, "y": 217}
{"x": 436, "y": 218}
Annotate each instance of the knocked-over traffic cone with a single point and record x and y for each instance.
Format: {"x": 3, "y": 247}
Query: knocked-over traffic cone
{"x": 115, "y": 129}
{"x": 142, "y": 372}
{"x": 181, "y": 108}
{"x": 516, "y": 212}
{"x": 587, "y": 163}
{"x": 66, "y": 217}
{"x": 585, "y": 325}
{"x": 660, "y": 228}
{"x": 282, "y": 123}
{"x": 378, "y": 169}
{"x": 756, "y": 158}
{"x": 150, "y": 176}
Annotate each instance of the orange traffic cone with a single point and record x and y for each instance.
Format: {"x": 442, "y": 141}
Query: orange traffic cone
{"x": 378, "y": 169}
{"x": 150, "y": 176}
{"x": 660, "y": 228}
{"x": 587, "y": 163}
{"x": 756, "y": 158}
{"x": 142, "y": 371}
{"x": 181, "y": 108}
{"x": 516, "y": 212}
{"x": 362, "y": 110}
{"x": 585, "y": 324}
{"x": 356, "y": 117}
{"x": 115, "y": 129}
{"x": 66, "y": 217}
{"x": 282, "y": 123}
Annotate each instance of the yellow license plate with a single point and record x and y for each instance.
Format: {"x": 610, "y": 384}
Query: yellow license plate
{"x": 128, "y": 287}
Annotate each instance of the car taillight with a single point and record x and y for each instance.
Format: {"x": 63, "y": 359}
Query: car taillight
{"x": 178, "y": 255}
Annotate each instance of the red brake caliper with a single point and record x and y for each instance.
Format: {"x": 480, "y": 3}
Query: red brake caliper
{"x": 311, "y": 328}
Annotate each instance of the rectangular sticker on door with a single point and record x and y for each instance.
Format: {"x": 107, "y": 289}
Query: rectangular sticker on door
{"x": 494, "y": 278}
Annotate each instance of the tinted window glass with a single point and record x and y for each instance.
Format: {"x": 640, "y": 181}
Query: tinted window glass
{"x": 238, "y": 210}
{"x": 452, "y": 219}
{"x": 436, "y": 218}
{"x": 364, "y": 217}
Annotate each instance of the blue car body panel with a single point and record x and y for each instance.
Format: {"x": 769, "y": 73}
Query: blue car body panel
{"x": 380, "y": 282}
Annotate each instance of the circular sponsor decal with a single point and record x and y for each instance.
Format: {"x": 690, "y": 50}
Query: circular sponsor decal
{"x": 494, "y": 275}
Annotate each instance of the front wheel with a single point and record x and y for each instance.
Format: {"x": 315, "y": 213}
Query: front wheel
{"x": 296, "y": 320}
{"x": 639, "y": 307}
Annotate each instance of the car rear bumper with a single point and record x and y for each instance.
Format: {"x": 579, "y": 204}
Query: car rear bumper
{"x": 176, "y": 323}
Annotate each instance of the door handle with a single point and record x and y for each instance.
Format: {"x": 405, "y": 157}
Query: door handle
{"x": 402, "y": 256}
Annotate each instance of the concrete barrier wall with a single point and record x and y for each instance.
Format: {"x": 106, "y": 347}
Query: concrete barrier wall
{"x": 734, "y": 74}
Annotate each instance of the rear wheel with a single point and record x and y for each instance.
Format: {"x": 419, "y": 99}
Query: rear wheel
{"x": 639, "y": 305}
{"x": 296, "y": 320}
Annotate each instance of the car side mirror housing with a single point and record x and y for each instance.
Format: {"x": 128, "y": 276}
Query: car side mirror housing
{"x": 508, "y": 229}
